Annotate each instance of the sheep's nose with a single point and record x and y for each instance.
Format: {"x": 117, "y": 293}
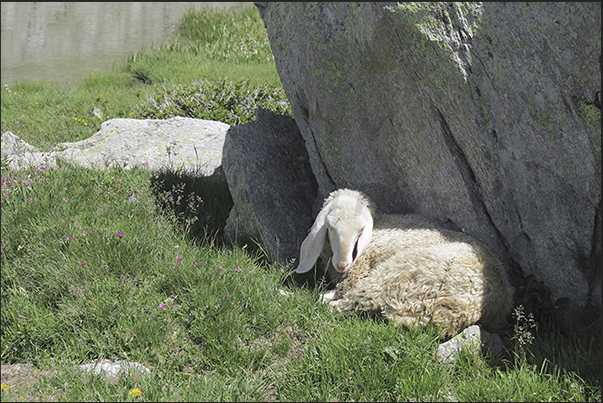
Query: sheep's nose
{"x": 342, "y": 267}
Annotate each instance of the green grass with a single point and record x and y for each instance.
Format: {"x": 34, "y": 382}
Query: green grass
{"x": 233, "y": 55}
{"x": 131, "y": 264}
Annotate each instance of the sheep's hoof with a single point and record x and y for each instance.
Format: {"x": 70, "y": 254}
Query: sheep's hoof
{"x": 327, "y": 295}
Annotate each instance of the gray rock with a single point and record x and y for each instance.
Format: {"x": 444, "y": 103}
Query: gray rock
{"x": 114, "y": 369}
{"x": 475, "y": 339}
{"x": 192, "y": 145}
{"x": 14, "y": 146}
{"x": 271, "y": 183}
{"x": 480, "y": 115}
{"x": 596, "y": 294}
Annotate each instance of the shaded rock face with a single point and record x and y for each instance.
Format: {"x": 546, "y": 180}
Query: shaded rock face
{"x": 271, "y": 183}
{"x": 485, "y": 116}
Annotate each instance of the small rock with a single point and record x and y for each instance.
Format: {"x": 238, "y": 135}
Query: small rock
{"x": 113, "y": 369}
{"x": 284, "y": 293}
{"x": 97, "y": 112}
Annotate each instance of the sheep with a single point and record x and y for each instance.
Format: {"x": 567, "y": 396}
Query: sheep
{"x": 406, "y": 267}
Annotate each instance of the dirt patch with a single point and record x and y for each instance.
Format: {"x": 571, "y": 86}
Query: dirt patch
{"x": 285, "y": 345}
{"x": 20, "y": 379}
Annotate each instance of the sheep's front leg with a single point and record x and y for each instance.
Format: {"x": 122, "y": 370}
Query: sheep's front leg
{"x": 336, "y": 304}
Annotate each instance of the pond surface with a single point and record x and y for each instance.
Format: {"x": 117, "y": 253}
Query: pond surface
{"x": 62, "y": 42}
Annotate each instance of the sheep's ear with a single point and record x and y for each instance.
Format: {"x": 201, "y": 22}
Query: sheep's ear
{"x": 314, "y": 242}
{"x": 365, "y": 237}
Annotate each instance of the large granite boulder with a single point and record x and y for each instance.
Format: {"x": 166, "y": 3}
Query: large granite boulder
{"x": 482, "y": 115}
{"x": 190, "y": 145}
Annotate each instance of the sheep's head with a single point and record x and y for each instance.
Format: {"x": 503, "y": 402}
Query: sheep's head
{"x": 347, "y": 218}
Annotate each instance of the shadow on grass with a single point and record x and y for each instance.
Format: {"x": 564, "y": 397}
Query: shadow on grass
{"x": 198, "y": 204}
{"x": 560, "y": 351}
{"x": 556, "y": 336}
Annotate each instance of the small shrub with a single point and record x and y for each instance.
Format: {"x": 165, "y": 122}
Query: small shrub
{"x": 225, "y": 101}
{"x": 522, "y": 334}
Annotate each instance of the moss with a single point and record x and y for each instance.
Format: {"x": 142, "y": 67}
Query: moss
{"x": 548, "y": 123}
{"x": 435, "y": 28}
{"x": 483, "y": 108}
{"x": 591, "y": 116}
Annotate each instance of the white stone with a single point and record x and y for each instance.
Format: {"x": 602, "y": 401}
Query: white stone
{"x": 113, "y": 369}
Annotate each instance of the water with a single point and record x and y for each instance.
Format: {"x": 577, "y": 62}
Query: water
{"x": 62, "y": 42}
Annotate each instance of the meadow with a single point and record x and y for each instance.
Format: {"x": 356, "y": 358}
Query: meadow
{"x": 131, "y": 264}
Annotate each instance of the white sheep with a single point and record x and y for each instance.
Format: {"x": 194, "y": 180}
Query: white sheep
{"x": 406, "y": 268}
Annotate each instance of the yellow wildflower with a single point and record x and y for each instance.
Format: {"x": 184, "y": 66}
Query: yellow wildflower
{"x": 136, "y": 392}
{"x": 4, "y": 386}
